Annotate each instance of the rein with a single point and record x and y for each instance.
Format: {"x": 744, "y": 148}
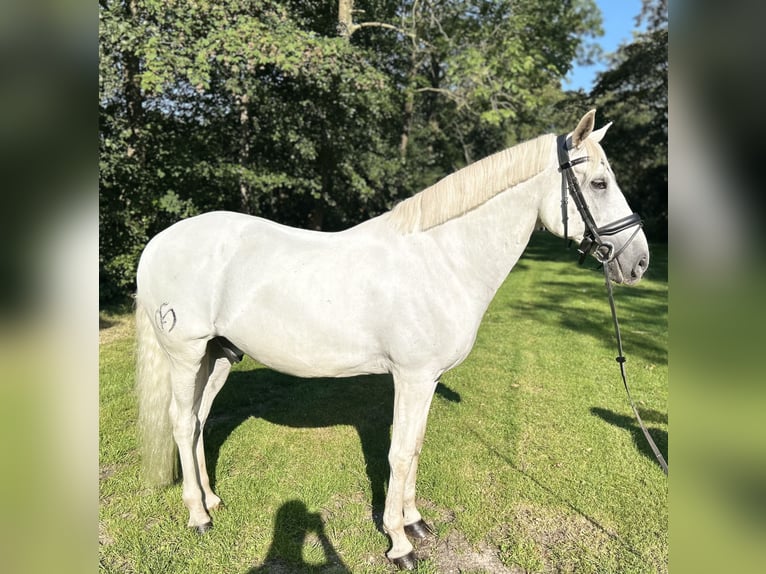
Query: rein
{"x": 604, "y": 252}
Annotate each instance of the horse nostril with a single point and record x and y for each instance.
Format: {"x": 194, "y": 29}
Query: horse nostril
{"x": 640, "y": 267}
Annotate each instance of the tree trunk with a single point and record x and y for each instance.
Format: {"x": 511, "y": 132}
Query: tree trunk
{"x": 345, "y": 18}
{"x": 133, "y": 96}
{"x": 244, "y": 152}
{"x": 316, "y": 217}
{"x": 408, "y": 109}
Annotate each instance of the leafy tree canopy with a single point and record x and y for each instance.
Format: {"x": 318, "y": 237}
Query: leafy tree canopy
{"x": 633, "y": 93}
{"x": 318, "y": 113}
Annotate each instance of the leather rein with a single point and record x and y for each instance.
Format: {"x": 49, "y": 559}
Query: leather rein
{"x": 603, "y": 250}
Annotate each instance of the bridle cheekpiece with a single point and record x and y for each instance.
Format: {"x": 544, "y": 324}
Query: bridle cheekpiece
{"x": 593, "y": 238}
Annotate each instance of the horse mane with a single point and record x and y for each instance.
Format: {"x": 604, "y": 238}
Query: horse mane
{"x": 472, "y": 186}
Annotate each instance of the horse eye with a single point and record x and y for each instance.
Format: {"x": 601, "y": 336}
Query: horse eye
{"x": 599, "y": 184}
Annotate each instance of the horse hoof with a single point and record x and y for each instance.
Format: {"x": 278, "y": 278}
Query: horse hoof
{"x": 406, "y": 562}
{"x": 418, "y": 530}
{"x": 202, "y": 528}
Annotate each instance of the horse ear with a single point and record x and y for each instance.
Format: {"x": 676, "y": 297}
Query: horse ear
{"x": 584, "y": 128}
{"x": 598, "y": 135}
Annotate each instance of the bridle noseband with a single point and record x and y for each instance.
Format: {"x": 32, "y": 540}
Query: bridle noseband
{"x": 592, "y": 241}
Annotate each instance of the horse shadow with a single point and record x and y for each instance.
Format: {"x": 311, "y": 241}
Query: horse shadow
{"x": 293, "y": 526}
{"x": 630, "y": 424}
{"x": 364, "y": 402}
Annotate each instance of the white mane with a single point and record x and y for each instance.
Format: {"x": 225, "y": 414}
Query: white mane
{"x": 473, "y": 185}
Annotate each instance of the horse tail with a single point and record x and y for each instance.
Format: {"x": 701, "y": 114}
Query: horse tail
{"x": 155, "y": 430}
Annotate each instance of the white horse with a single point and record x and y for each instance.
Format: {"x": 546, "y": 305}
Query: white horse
{"x": 402, "y": 293}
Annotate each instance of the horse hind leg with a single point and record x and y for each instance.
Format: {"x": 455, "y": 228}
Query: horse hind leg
{"x": 187, "y": 378}
{"x": 220, "y": 358}
{"x": 194, "y": 384}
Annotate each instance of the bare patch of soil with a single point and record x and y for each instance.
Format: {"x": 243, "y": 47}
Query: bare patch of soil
{"x": 104, "y": 538}
{"x": 553, "y": 529}
{"x": 453, "y": 554}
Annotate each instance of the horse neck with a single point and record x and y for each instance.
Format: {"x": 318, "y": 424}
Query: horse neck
{"x": 485, "y": 243}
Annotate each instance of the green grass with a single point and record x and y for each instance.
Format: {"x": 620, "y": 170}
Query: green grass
{"x": 532, "y": 459}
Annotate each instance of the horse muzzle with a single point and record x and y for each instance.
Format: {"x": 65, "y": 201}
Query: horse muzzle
{"x": 626, "y": 260}
{"x": 628, "y": 270}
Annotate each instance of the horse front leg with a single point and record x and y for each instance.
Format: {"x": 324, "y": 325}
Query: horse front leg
{"x": 412, "y": 399}
{"x": 414, "y": 525}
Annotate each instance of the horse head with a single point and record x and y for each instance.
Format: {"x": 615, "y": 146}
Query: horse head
{"x": 590, "y": 208}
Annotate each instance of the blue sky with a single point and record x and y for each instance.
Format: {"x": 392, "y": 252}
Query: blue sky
{"x": 618, "y": 24}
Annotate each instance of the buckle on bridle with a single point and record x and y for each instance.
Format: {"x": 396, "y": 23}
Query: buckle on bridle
{"x": 604, "y": 250}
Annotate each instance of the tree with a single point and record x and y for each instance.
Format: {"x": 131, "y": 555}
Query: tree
{"x": 634, "y": 93}
{"x": 231, "y": 105}
{"x": 482, "y": 71}
{"x": 317, "y": 113}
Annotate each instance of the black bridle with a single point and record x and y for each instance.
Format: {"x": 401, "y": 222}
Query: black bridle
{"x": 593, "y": 243}
{"x": 593, "y": 239}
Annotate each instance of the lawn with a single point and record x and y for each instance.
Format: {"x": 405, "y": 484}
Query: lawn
{"x": 532, "y": 459}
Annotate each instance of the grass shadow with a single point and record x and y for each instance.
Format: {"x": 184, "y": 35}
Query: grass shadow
{"x": 637, "y": 313}
{"x": 294, "y": 525}
{"x": 364, "y": 402}
{"x": 638, "y": 310}
{"x": 630, "y": 424}
{"x": 541, "y": 483}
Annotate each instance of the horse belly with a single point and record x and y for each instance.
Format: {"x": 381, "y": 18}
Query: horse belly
{"x": 309, "y": 336}
{"x": 312, "y": 355}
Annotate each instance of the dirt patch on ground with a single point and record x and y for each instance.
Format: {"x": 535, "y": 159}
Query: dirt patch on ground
{"x": 556, "y": 529}
{"x": 104, "y": 538}
{"x": 546, "y": 540}
{"x": 536, "y": 540}
{"x": 453, "y": 554}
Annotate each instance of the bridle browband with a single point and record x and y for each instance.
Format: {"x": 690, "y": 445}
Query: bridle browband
{"x": 592, "y": 241}
{"x": 603, "y": 251}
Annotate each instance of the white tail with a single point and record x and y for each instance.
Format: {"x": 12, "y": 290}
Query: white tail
{"x": 158, "y": 448}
